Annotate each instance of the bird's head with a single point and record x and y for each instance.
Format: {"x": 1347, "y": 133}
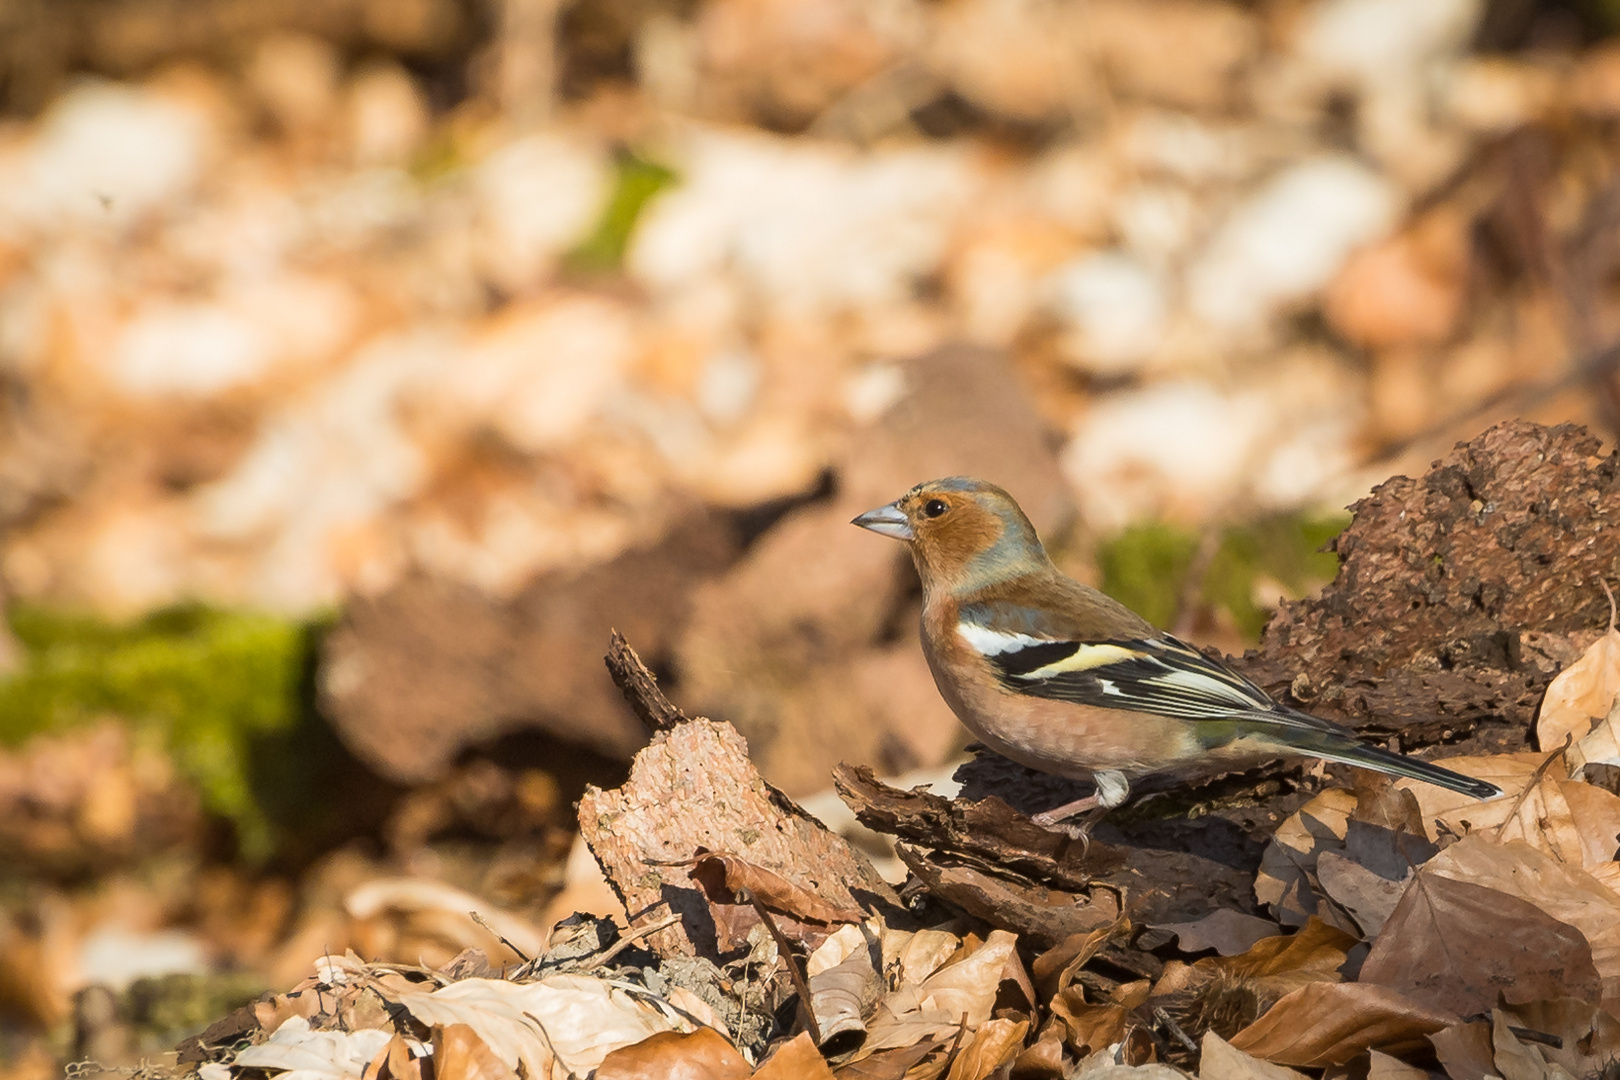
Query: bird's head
{"x": 963, "y": 533}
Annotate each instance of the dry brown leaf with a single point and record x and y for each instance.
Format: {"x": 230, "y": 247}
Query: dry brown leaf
{"x": 721, "y": 874}
{"x": 992, "y": 1046}
{"x": 459, "y": 1054}
{"x": 1567, "y": 893}
{"x": 703, "y": 1054}
{"x": 1271, "y": 969}
{"x": 1289, "y": 861}
{"x": 1090, "y": 1028}
{"x": 1383, "y": 1067}
{"x": 1044, "y": 1057}
{"x": 1465, "y": 1050}
{"x": 796, "y": 1059}
{"x": 556, "y": 1025}
{"x": 1325, "y": 1023}
{"x": 1456, "y": 945}
{"x": 1368, "y": 897}
{"x": 1581, "y": 693}
{"x": 1220, "y": 1060}
{"x": 1226, "y": 931}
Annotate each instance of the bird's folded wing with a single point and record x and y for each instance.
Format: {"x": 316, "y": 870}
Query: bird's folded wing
{"x": 1160, "y": 675}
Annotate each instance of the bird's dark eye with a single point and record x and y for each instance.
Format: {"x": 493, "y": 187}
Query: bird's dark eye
{"x": 934, "y": 507}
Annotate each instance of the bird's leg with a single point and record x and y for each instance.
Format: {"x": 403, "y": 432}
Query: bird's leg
{"x": 1112, "y": 790}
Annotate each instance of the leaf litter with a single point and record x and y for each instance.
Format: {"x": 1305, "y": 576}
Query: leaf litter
{"x": 1395, "y": 925}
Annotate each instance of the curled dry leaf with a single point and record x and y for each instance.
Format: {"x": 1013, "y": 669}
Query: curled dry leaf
{"x": 1324, "y": 1023}
{"x": 703, "y": 1054}
{"x": 796, "y": 1059}
{"x": 1220, "y": 1060}
{"x": 549, "y": 1028}
{"x": 1566, "y": 893}
{"x": 911, "y": 955}
{"x": 1226, "y": 931}
{"x": 841, "y": 998}
{"x": 1583, "y": 692}
{"x": 734, "y": 875}
{"x": 1055, "y": 968}
{"x": 1456, "y": 945}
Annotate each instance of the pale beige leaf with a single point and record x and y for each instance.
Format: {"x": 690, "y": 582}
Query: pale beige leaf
{"x": 966, "y": 990}
{"x": 1596, "y": 813}
{"x": 836, "y": 949}
{"x": 1601, "y": 746}
{"x": 1583, "y": 692}
{"x": 1531, "y": 808}
{"x": 917, "y": 955}
{"x": 1516, "y": 1060}
{"x": 558, "y": 1024}
{"x": 1220, "y": 1060}
{"x": 1289, "y": 861}
{"x": 315, "y": 1055}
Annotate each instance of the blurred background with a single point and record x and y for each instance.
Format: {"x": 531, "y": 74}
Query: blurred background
{"x": 362, "y": 362}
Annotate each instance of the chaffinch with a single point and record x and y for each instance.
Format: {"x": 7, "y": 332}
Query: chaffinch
{"x": 1059, "y": 677}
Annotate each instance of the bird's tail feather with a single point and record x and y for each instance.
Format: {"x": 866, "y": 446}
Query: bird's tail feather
{"x": 1385, "y": 761}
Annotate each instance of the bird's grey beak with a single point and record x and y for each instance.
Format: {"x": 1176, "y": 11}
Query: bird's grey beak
{"x": 887, "y": 520}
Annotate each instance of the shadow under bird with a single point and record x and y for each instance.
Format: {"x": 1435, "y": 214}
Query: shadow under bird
{"x": 1064, "y": 679}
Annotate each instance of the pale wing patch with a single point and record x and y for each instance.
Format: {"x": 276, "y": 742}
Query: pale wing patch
{"x": 1085, "y": 658}
{"x": 1205, "y": 686}
{"x": 990, "y": 642}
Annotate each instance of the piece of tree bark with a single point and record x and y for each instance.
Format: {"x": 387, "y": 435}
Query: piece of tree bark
{"x": 1442, "y": 578}
{"x": 694, "y": 787}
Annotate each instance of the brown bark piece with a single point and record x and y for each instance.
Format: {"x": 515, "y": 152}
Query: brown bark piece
{"x": 1044, "y": 915}
{"x": 694, "y": 787}
{"x": 1442, "y": 580}
{"x": 987, "y": 827}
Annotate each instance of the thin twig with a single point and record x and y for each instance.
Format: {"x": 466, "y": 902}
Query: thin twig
{"x": 481, "y": 921}
{"x": 1531, "y": 1036}
{"x": 785, "y": 949}
{"x": 1534, "y": 782}
{"x": 630, "y": 939}
{"x": 1170, "y": 1025}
